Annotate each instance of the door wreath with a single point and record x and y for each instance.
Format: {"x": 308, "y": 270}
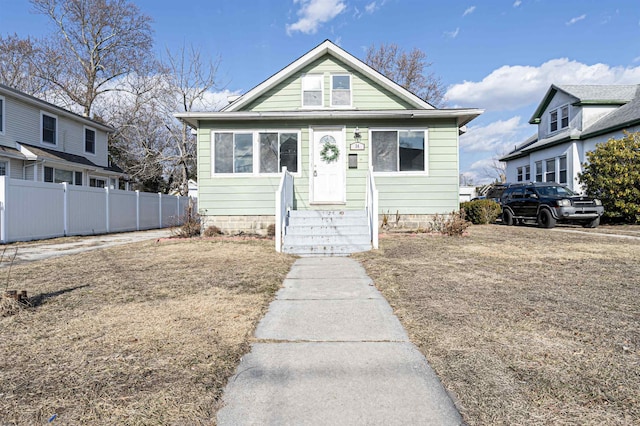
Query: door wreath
{"x": 330, "y": 151}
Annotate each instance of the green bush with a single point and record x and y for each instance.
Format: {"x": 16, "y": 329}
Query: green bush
{"x": 481, "y": 212}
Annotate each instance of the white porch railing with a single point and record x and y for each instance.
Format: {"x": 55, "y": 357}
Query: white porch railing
{"x": 372, "y": 208}
{"x": 284, "y": 203}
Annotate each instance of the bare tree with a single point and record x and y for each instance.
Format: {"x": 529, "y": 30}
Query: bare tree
{"x": 190, "y": 77}
{"x": 407, "y": 69}
{"x": 496, "y": 170}
{"x": 97, "y": 42}
{"x": 16, "y": 67}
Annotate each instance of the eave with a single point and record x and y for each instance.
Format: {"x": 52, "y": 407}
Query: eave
{"x": 462, "y": 116}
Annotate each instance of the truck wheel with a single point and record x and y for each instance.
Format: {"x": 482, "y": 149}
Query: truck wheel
{"x": 507, "y": 217}
{"x": 546, "y": 219}
{"x": 592, "y": 223}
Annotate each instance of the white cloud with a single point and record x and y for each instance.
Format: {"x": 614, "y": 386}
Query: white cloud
{"x": 517, "y": 3}
{"x": 452, "y": 34}
{"x": 469, "y": 11}
{"x": 494, "y": 136}
{"x": 576, "y": 19}
{"x": 314, "y": 13}
{"x": 371, "y": 7}
{"x": 514, "y": 86}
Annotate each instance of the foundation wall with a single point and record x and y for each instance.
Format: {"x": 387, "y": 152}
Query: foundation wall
{"x": 234, "y": 225}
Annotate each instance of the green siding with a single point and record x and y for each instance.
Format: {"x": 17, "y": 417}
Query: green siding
{"x": 436, "y": 192}
{"x": 366, "y": 95}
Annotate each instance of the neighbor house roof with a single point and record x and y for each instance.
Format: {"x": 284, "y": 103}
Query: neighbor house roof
{"x": 32, "y": 152}
{"x": 32, "y": 100}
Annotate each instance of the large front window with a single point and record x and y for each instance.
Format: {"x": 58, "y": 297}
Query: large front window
{"x": 398, "y": 150}
{"x": 255, "y": 152}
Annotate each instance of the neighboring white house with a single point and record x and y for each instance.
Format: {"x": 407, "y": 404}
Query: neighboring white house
{"x": 571, "y": 120}
{"x": 42, "y": 142}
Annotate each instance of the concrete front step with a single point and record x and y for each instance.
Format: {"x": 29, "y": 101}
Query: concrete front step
{"x": 326, "y": 233}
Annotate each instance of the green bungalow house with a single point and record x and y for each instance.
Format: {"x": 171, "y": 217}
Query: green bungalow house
{"x": 321, "y": 150}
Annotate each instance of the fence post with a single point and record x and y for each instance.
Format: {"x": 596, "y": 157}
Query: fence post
{"x": 160, "y": 208}
{"x": 178, "y": 197}
{"x": 106, "y": 192}
{"x": 65, "y": 208}
{"x": 137, "y": 209}
{"x": 4, "y": 195}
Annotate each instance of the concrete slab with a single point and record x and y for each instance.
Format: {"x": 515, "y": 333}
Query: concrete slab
{"x": 326, "y": 267}
{"x": 327, "y": 288}
{"x": 331, "y": 320}
{"x": 336, "y": 383}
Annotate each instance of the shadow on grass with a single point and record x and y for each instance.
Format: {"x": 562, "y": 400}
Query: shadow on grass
{"x": 42, "y": 298}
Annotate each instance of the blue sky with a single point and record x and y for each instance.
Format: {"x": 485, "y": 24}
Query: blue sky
{"x": 500, "y": 56}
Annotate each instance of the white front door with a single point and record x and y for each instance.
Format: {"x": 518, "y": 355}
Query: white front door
{"x": 328, "y": 167}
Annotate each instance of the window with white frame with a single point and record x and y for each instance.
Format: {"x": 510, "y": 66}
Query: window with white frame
{"x": 49, "y": 128}
{"x": 54, "y": 175}
{"x": 1, "y": 115}
{"x": 89, "y": 140}
{"x": 312, "y": 93}
{"x": 97, "y": 182}
{"x": 519, "y": 176}
{"x": 398, "y": 150}
{"x": 550, "y": 175}
{"x": 538, "y": 169}
{"x": 341, "y": 90}
{"x": 278, "y": 150}
{"x": 559, "y": 118}
{"x": 4, "y": 168}
{"x": 524, "y": 173}
{"x": 255, "y": 152}
{"x": 562, "y": 170}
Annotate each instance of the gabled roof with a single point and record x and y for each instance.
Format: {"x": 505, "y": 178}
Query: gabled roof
{"x": 39, "y": 103}
{"x": 625, "y": 116}
{"x": 37, "y": 152}
{"x": 327, "y": 48}
{"x": 588, "y": 95}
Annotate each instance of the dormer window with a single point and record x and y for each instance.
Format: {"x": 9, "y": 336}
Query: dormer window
{"x": 341, "y": 90}
{"x": 312, "y": 90}
{"x": 560, "y": 115}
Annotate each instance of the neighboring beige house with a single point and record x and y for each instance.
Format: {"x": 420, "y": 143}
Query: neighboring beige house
{"x": 571, "y": 120}
{"x": 341, "y": 129}
{"x": 42, "y": 142}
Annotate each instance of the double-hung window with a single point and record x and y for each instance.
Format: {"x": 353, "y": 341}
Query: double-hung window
{"x": 49, "y": 128}
{"x": 559, "y": 118}
{"x": 312, "y": 95}
{"x": 551, "y": 170}
{"x": 527, "y": 173}
{"x": 564, "y": 116}
{"x": 340, "y": 90}
{"x": 89, "y": 140}
{"x": 538, "y": 166}
{"x": 278, "y": 150}
{"x": 563, "y": 170}
{"x": 4, "y": 167}
{"x": 398, "y": 150}
{"x": 519, "y": 174}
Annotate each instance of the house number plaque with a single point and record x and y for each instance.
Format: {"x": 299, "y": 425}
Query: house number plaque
{"x": 356, "y": 146}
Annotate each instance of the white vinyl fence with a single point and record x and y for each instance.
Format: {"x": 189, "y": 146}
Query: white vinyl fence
{"x": 37, "y": 210}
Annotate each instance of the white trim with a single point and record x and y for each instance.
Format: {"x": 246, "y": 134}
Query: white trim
{"x": 425, "y": 172}
{"x": 331, "y": 89}
{"x": 84, "y": 140}
{"x": 321, "y": 78}
{"x": 327, "y": 47}
{"x": 48, "y": 114}
{"x": 255, "y": 134}
{"x": 3, "y": 114}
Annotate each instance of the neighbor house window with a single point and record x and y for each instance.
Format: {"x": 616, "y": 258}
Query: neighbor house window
{"x": 559, "y": 118}
{"x": 563, "y": 169}
{"x": 551, "y": 170}
{"x": 1, "y": 115}
{"x": 89, "y": 140}
{"x": 49, "y": 129}
{"x": 4, "y": 167}
{"x": 553, "y": 123}
{"x": 233, "y": 152}
{"x": 398, "y": 150}
{"x": 519, "y": 172}
{"x": 312, "y": 90}
{"x": 60, "y": 176}
{"x": 340, "y": 90}
{"x": 538, "y": 166}
{"x": 278, "y": 150}
{"x": 96, "y": 182}
{"x": 564, "y": 117}
{"x": 527, "y": 173}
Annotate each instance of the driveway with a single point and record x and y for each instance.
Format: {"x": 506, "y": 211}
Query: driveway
{"x": 39, "y": 250}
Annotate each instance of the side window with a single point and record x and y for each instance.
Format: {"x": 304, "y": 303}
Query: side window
{"x": 517, "y": 193}
{"x": 89, "y": 140}
{"x": 49, "y": 129}
{"x": 312, "y": 90}
{"x": 529, "y": 192}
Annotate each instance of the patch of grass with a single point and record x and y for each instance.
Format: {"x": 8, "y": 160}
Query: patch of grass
{"x": 145, "y": 333}
{"x": 523, "y": 325}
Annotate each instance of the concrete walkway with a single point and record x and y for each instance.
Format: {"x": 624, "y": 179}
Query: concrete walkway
{"x": 331, "y": 351}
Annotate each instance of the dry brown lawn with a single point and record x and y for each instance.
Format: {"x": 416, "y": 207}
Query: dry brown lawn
{"x": 146, "y": 333}
{"x": 523, "y": 325}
